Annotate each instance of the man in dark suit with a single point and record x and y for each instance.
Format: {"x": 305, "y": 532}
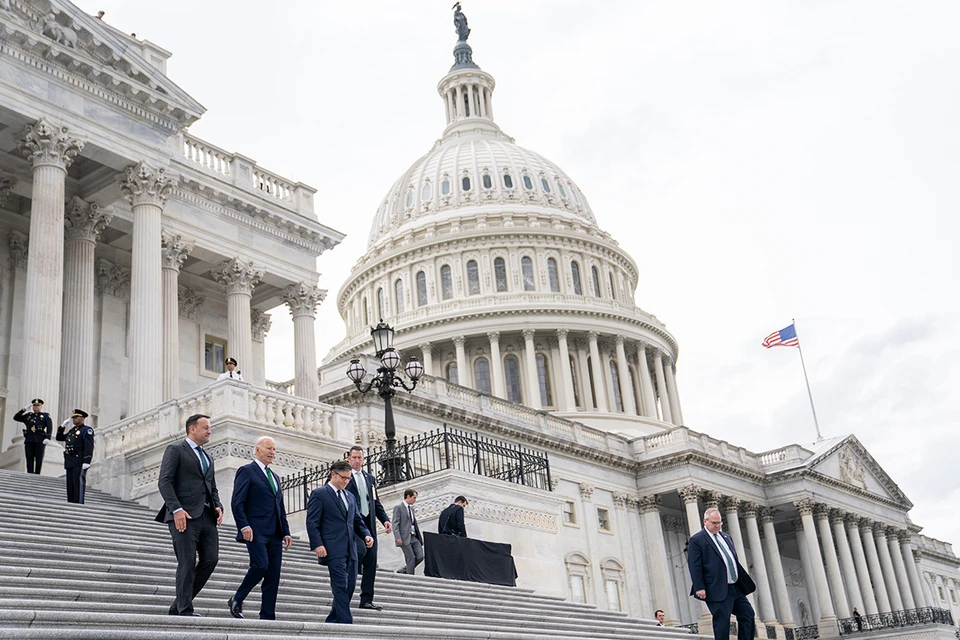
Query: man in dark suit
{"x": 407, "y": 532}
{"x": 719, "y": 579}
{"x": 333, "y": 525}
{"x": 451, "y": 519}
{"x": 363, "y": 486}
{"x": 257, "y": 506}
{"x": 192, "y": 510}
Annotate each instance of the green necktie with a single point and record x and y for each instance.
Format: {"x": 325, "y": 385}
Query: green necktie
{"x": 204, "y": 465}
{"x": 731, "y": 567}
{"x": 362, "y": 490}
{"x": 273, "y": 483}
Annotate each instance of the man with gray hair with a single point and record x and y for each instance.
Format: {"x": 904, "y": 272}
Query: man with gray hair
{"x": 719, "y": 579}
{"x": 262, "y": 526}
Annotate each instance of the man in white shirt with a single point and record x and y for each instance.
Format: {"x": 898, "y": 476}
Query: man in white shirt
{"x": 232, "y": 373}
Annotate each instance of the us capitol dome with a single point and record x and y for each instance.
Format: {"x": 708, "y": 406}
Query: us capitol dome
{"x": 488, "y": 261}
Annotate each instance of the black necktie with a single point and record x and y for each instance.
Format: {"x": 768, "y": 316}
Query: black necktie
{"x": 231, "y": 374}
{"x": 343, "y": 505}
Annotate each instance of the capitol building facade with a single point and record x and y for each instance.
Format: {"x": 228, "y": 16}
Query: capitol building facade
{"x": 134, "y": 257}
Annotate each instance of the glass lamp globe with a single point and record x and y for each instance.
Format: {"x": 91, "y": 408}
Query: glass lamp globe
{"x": 356, "y": 371}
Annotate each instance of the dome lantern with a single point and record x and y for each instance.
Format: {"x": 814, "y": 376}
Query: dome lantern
{"x": 467, "y": 90}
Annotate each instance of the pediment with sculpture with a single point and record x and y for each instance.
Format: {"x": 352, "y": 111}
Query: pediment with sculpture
{"x": 852, "y": 465}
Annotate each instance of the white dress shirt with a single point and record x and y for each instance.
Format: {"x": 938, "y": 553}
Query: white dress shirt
{"x": 231, "y": 375}
{"x": 725, "y": 552}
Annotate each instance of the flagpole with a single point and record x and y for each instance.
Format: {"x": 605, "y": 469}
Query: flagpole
{"x": 807, "y": 380}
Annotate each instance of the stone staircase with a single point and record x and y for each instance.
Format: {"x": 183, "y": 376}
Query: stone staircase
{"x": 105, "y": 570}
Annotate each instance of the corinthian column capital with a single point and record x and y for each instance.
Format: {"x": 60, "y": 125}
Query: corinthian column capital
{"x": 689, "y": 493}
{"x": 805, "y": 506}
{"x": 174, "y": 251}
{"x": 260, "y": 324}
{"x": 145, "y": 185}
{"x": 85, "y": 220}
{"x": 47, "y": 144}
{"x": 239, "y": 276}
{"x": 303, "y": 298}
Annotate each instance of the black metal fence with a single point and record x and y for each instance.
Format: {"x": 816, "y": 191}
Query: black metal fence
{"x": 895, "y": 619}
{"x": 434, "y": 451}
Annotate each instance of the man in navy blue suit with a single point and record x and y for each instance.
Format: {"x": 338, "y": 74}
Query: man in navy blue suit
{"x": 257, "y": 507}
{"x": 719, "y": 580}
{"x": 363, "y": 486}
{"x": 333, "y": 525}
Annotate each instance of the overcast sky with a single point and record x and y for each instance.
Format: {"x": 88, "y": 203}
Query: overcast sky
{"x": 759, "y": 160}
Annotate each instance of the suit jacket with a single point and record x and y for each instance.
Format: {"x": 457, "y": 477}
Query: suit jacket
{"x": 331, "y": 526}
{"x": 402, "y": 525}
{"x": 183, "y": 484}
{"x": 451, "y": 521}
{"x": 708, "y": 570}
{"x": 377, "y": 512}
{"x": 255, "y": 505}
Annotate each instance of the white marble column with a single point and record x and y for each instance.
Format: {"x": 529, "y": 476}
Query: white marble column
{"x": 671, "y": 376}
{"x": 656, "y": 552}
{"x": 533, "y": 380}
{"x": 852, "y": 526}
{"x": 886, "y": 566}
{"x": 899, "y": 570}
{"x": 569, "y": 397}
{"x": 846, "y": 561}
{"x": 463, "y": 376}
{"x": 665, "y": 414}
{"x": 840, "y": 605}
{"x": 147, "y": 191}
{"x": 239, "y": 277}
{"x": 778, "y": 578}
{"x": 764, "y": 595}
{"x": 690, "y": 494}
{"x": 912, "y": 575}
{"x": 496, "y": 364}
{"x": 426, "y": 350}
{"x": 646, "y": 382}
{"x": 596, "y": 367}
{"x": 806, "y": 563}
{"x": 828, "y": 619}
{"x": 173, "y": 252}
{"x": 302, "y": 299}
{"x": 626, "y": 389}
{"x": 83, "y": 224}
{"x": 873, "y": 562}
{"x": 50, "y": 150}
{"x": 731, "y": 509}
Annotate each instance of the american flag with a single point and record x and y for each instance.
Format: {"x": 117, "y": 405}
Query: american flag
{"x": 786, "y": 337}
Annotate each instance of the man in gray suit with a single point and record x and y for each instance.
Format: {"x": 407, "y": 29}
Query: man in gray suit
{"x": 192, "y": 510}
{"x": 407, "y": 531}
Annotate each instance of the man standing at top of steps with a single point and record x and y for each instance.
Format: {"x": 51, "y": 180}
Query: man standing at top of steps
{"x": 77, "y": 453}
{"x": 192, "y": 510}
{"x": 257, "y": 506}
{"x": 37, "y": 431}
{"x": 363, "y": 486}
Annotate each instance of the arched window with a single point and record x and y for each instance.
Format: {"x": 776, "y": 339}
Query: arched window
{"x": 575, "y": 274}
{"x": 398, "y": 292}
{"x": 426, "y": 191}
{"x": 593, "y": 384}
{"x": 617, "y": 396}
{"x": 511, "y": 371}
{"x": 612, "y": 572}
{"x": 446, "y": 282}
{"x": 576, "y": 382}
{"x": 578, "y": 576}
{"x": 452, "y": 374}
{"x": 553, "y": 276}
{"x": 466, "y": 104}
{"x": 526, "y": 268}
{"x": 613, "y": 289}
{"x": 481, "y": 373}
{"x": 500, "y": 274}
{"x": 527, "y": 183}
{"x": 366, "y": 316}
{"x": 381, "y": 305}
{"x": 421, "y": 288}
{"x": 487, "y": 181}
{"x": 543, "y": 378}
{"x": 445, "y": 187}
{"x": 507, "y": 181}
{"x": 563, "y": 194}
{"x": 473, "y": 278}
{"x": 465, "y": 183}
{"x": 596, "y": 281}
{"x": 409, "y": 201}
{"x": 545, "y": 185}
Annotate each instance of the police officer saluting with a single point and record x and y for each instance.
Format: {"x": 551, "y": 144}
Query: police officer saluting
{"x": 231, "y": 373}
{"x": 37, "y": 431}
{"x": 77, "y": 453}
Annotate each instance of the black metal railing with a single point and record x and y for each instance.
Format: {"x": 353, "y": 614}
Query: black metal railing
{"x": 694, "y": 627}
{"x": 788, "y": 633}
{"x": 894, "y": 619}
{"x": 807, "y": 633}
{"x": 432, "y": 452}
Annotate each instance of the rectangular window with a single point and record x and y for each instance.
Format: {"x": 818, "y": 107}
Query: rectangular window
{"x": 569, "y": 513}
{"x": 613, "y": 595}
{"x": 577, "y": 591}
{"x": 603, "y": 519}
{"x": 214, "y": 353}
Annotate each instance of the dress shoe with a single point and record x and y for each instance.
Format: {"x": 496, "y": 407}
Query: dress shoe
{"x": 370, "y": 605}
{"x": 235, "y": 607}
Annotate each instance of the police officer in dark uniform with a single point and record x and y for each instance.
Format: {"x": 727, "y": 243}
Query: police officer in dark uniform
{"x": 37, "y": 431}
{"x": 77, "y": 453}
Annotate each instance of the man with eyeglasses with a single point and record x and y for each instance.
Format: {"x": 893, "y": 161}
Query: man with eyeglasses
{"x": 332, "y": 521}
{"x": 719, "y": 579}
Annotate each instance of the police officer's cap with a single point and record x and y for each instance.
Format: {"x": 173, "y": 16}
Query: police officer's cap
{"x": 230, "y": 361}
{"x": 36, "y": 401}
{"x": 81, "y": 413}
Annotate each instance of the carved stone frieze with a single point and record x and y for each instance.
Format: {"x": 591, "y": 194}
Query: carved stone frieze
{"x": 190, "y": 302}
{"x": 45, "y": 144}
{"x": 260, "y": 324}
{"x": 852, "y": 470}
{"x": 238, "y": 275}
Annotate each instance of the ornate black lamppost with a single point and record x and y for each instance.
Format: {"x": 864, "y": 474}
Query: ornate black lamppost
{"x": 386, "y": 382}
